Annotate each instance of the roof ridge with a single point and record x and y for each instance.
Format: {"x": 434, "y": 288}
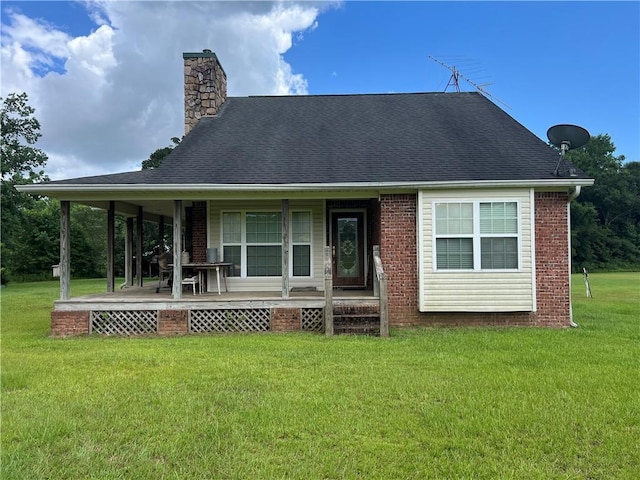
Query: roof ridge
{"x": 356, "y": 94}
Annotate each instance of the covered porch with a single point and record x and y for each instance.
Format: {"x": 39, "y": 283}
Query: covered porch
{"x": 294, "y": 301}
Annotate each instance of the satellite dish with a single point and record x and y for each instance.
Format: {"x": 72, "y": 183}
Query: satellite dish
{"x": 566, "y": 137}
{"x": 572, "y": 135}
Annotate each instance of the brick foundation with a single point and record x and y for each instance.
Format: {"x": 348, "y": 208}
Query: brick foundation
{"x": 69, "y": 323}
{"x": 173, "y": 322}
{"x": 398, "y": 250}
{"x": 286, "y": 319}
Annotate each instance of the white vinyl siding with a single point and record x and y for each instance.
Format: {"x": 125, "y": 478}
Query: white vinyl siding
{"x": 501, "y": 280}
{"x": 306, "y": 225}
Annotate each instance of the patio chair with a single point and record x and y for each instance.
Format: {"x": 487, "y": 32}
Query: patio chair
{"x": 193, "y": 281}
{"x": 165, "y": 270}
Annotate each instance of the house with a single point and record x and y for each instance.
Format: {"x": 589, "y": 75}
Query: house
{"x": 423, "y": 208}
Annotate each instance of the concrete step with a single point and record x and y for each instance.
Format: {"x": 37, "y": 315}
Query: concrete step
{"x": 372, "y": 329}
{"x": 356, "y": 324}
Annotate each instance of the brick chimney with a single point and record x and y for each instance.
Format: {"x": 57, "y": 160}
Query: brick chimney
{"x": 205, "y": 87}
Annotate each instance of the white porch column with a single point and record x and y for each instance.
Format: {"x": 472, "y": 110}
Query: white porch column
{"x": 111, "y": 248}
{"x": 177, "y": 250}
{"x": 139, "y": 246}
{"x": 285, "y": 248}
{"x": 65, "y": 249}
{"x": 128, "y": 254}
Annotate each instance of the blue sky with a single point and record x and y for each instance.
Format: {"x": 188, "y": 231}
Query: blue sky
{"x": 105, "y": 77}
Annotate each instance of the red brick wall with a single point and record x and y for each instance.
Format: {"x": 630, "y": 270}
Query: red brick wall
{"x": 552, "y": 259}
{"x": 286, "y": 319}
{"x": 173, "y": 322}
{"x": 69, "y": 323}
{"x": 199, "y": 232}
{"x": 398, "y": 250}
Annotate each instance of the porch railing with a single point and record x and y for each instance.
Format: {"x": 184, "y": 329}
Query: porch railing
{"x": 328, "y": 293}
{"x": 380, "y": 288}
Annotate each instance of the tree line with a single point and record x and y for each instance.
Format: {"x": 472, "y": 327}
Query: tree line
{"x": 605, "y": 218}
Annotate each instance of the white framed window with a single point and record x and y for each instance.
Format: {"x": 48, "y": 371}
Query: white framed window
{"x": 476, "y": 235}
{"x": 301, "y": 244}
{"x": 232, "y": 241}
{"x": 252, "y": 242}
{"x": 263, "y": 241}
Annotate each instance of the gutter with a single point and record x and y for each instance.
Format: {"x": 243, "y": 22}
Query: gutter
{"x": 52, "y": 188}
{"x": 576, "y": 193}
{"x": 572, "y": 196}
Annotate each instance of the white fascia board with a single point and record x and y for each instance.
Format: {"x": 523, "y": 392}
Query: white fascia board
{"x": 74, "y": 189}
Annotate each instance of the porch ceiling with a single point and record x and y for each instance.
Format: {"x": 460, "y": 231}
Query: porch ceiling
{"x": 153, "y": 209}
{"x": 154, "y": 205}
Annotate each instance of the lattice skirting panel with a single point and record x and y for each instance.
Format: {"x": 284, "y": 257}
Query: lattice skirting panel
{"x": 231, "y": 320}
{"x": 125, "y": 322}
{"x": 313, "y": 319}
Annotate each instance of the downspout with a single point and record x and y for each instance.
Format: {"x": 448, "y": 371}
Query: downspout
{"x": 572, "y": 196}
{"x": 575, "y": 194}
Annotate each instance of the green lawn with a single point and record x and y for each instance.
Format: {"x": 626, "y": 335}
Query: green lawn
{"x": 521, "y": 403}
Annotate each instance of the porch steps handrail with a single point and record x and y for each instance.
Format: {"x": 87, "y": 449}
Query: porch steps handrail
{"x": 380, "y": 290}
{"x": 380, "y": 287}
{"x": 328, "y": 293}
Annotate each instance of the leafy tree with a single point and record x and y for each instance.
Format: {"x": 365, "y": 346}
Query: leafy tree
{"x": 606, "y": 216}
{"x": 88, "y": 241}
{"x": 19, "y": 160}
{"x": 35, "y": 242}
{"x": 20, "y": 163}
{"x": 20, "y": 127}
{"x": 157, "y": 157}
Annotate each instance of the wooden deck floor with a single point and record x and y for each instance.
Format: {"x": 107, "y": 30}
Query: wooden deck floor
{"x": 138, "y": 297}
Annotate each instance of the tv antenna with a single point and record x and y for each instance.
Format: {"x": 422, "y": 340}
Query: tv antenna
{"x": 454, "y": 81}
{"x": 567, "y": 137}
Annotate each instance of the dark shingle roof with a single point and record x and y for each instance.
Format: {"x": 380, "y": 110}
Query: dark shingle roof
{"x": 423, "y": 137}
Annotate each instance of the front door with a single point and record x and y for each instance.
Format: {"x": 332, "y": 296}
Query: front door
{"x": 348, "y": 247}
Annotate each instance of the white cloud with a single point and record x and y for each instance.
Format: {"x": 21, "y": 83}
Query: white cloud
{"x": 117, "y": 93}
{"x": 93, "y": 52}
{"x": 37, "y": 34}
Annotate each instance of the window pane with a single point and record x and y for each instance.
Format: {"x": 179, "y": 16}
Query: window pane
{"x": 264, "y": 227}
{"x": 454, "y": 218}
{"x": 301, "y": 227}
{"x": 499, "y": 253}
{"x": 301, "y": 261}
{"x": 498, "y": 217}
{"x": 232, "y": 227}
{"x": 454, "y": 253}
{"x": 441, "y": 218}
{"x": 232, "y": 255}
{"x": 264, "y": 261}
